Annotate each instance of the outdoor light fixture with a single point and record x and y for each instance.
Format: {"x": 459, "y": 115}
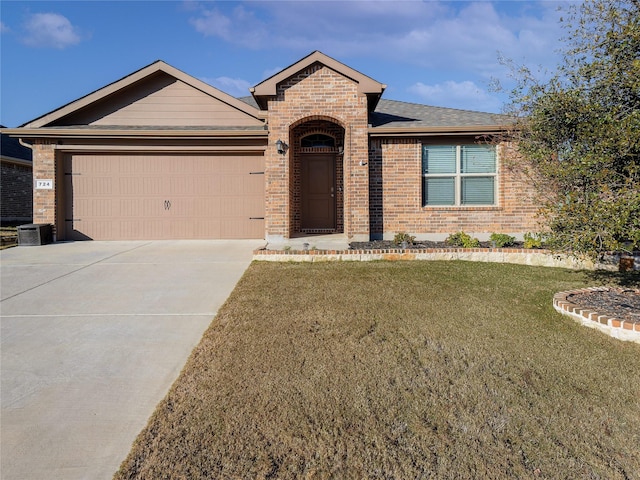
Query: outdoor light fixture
{"x": 281, "y": 146}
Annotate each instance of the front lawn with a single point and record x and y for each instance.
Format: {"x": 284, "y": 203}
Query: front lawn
{"x": 398, "y": 370}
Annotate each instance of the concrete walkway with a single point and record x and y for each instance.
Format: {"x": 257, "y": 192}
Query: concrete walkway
{"x": 92, "y": 336}
{"x": 337, "y": 241}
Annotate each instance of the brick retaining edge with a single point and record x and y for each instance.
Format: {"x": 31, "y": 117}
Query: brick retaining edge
{"x": 621, "y": 329}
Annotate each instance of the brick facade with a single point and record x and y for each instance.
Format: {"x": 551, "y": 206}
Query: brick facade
{"x": 396, "y": 196}
{"x": 377, "y": 151}
{"x": 317, "y": 94}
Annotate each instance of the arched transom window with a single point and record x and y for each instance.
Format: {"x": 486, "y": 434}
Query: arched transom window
{"x": 318, "y": 140}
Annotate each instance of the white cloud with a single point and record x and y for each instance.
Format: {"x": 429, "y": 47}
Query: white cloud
{"x": 236, "y": 87}
{"x": 464, "y": 95}
{"x": 436, "y": 35}
{"x": 240, "y": 26}
{"x": 4, "y": 28}
{"x": 439, "y": 43}
{"x": 213, "y": 24}
{"x": 50, "y": 30}
{"x": 337, "y": 27}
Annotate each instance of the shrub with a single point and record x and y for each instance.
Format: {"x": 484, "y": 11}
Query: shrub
{"x": 532, "y": 240}
{"x": 403, "y": 237}
{"x": 502, "y": 239}
{"x": 462, "y": 239}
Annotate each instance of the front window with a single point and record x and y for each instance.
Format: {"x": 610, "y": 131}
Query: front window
{"x": 458, "y": 175}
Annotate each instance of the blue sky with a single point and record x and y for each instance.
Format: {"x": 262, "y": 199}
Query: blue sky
{"x": 436, "y": 53}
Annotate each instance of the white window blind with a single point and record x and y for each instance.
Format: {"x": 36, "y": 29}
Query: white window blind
{"x": 439, "y": 191}
{"x": 477, "y": 190}
{"x": 477, "y": 159}
{"x": 439, "y": 159}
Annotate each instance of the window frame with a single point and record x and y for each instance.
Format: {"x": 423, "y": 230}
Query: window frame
{"x": 458, "y": 176}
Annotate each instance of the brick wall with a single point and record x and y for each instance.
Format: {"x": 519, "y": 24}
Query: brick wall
{"x": 397, "y": 196}
{"x": 317, "y": 93}
{"x": 16, "y": 192}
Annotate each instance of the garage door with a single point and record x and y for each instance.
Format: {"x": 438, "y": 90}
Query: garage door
{"x": 148, "y": 197}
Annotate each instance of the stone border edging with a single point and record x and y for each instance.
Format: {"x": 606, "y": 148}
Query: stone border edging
{"x": 543, "y": 258}
{"x": 616, "y": 328}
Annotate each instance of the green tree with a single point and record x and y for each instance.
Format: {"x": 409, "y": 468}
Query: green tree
{"x": 578, "y": 133}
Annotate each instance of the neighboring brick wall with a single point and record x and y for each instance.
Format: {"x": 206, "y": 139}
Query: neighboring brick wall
{"x": 317, "y": 93}
{"x": 16, "y": 192}
{"x": 44, "y": 167}
{"x": 402, "y": 210}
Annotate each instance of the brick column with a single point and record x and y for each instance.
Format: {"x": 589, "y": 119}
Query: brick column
{"x": 44, "y": 168}
{"x": 357, "y": 181}
{"x": 277, "y": 186}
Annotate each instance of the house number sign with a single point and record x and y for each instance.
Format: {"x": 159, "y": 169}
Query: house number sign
{"x": 44, "y": 184}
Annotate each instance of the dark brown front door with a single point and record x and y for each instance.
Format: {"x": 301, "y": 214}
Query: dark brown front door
{"x": 318, "y": 192}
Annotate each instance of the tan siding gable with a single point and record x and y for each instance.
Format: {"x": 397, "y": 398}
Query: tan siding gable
{"x": 161, "y": 101}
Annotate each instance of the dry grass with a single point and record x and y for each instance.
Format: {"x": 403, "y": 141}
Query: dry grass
{"x": 8, "y": 231}
{"x": 8, "y": 237}
{"x": 398, "y": 370}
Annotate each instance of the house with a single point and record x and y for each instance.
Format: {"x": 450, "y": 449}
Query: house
{"x": 315, "y": 149}
{"x": 16, "y": 181}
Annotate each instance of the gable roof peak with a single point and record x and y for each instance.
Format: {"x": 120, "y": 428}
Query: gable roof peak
{"x": 366, "y": 85}
{"x": 137, "y": 76}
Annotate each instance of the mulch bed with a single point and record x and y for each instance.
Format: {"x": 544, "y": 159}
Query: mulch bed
{"x": 623, "y": 304}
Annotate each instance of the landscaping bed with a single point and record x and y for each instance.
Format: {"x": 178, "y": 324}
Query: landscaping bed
{"x": 418, "y": 244}
{"x": 623, "y": 303}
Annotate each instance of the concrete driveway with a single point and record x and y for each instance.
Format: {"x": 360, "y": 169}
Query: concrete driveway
{"x": 92, "y": 336}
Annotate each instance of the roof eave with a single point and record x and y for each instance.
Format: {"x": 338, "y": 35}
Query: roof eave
{"x": 432, "y": 131}
{"x": 16, "y": 161}
{"x": 131, "y": 133}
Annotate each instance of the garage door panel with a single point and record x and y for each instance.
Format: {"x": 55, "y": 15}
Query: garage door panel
{"x": 139, "y": 185}
{"x": 95, "y": 229}
{"x": 97, "y": 207}
{"x": 234, "y": 228}
{"x": 207, "y": 229}
{"x": 164, "y": 196}
{"x": 252, "y": 183}
{"x": 206, "y": 185}
{"x": 140, "y": 207}
{"x": 202, "y": 207}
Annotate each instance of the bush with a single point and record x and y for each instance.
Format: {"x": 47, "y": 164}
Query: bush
{"x": 403, "y": 237}
{"x": 502, "y": 240}
{"x": 462, "y": 239}
{"x": 533, "y": 240}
